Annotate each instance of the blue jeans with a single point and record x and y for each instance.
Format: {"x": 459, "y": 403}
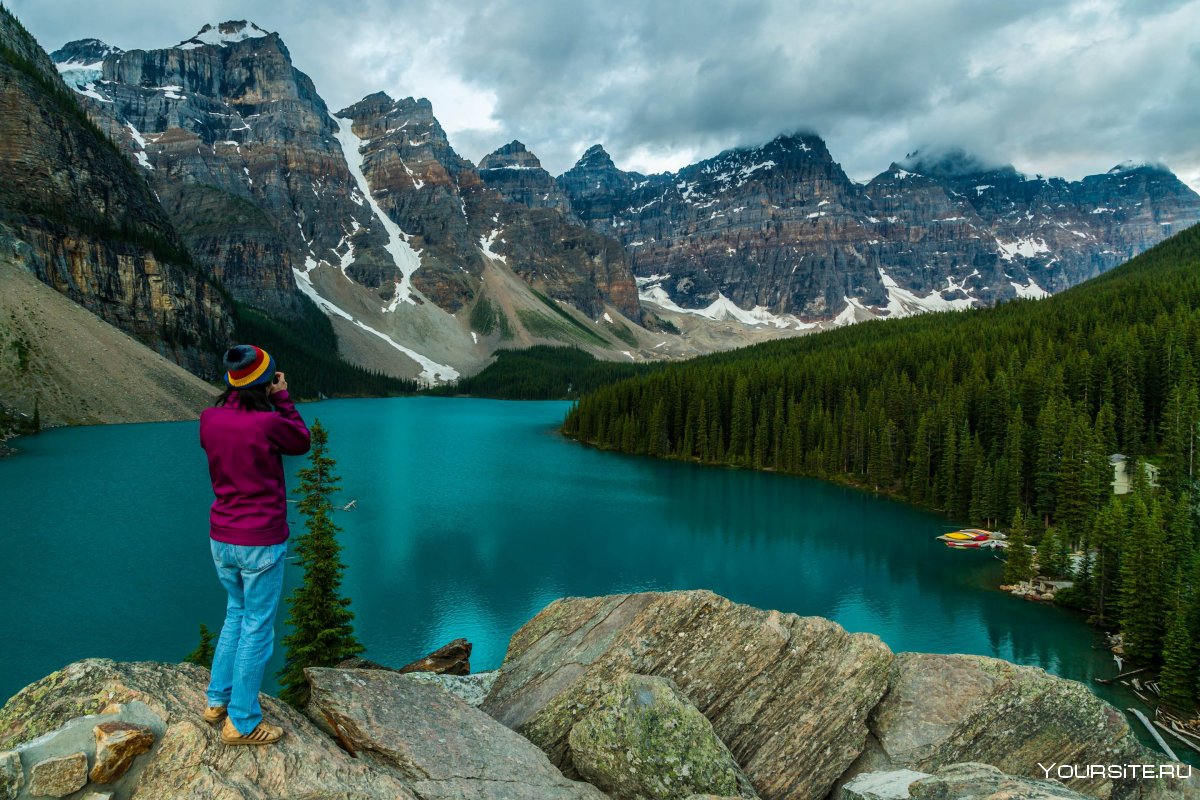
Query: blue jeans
{"x": 253, "y": 578}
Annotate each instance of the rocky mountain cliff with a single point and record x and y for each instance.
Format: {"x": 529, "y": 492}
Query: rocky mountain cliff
{"x": 518, "y": 176}
{"x": 780, "y": 233}
{"x": 78, "y": 216}
{"x": 655, "y": 696}
{"x": 460, "y": 221}
{"x": 427, "y": 263}
{"x": 369, "y": 212}
{"x": 237, "y": 144}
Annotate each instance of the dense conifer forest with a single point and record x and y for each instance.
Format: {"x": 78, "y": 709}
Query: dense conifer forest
{"x": 1005, "y": 417}
{"x": 543, "y": 372}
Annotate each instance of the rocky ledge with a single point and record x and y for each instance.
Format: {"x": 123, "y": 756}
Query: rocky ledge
{"x": 671, "y": 696}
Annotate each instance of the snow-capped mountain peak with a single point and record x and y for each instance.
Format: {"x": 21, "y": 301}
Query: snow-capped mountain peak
{"x": 1133, "y": 166}
{"x": 223, "y": 34}
{"x": 84, "y": 53}
{"x": 81, "y": 62}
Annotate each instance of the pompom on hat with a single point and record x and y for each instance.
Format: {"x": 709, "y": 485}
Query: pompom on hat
{"x": 247, "y": 366}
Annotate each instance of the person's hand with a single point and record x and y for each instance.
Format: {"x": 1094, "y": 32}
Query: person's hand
{"x": 279, "y": 384}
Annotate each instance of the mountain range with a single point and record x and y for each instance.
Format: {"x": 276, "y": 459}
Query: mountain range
{"x": 427, "y": 263}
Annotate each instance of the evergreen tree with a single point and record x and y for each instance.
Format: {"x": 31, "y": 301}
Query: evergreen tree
{"x": 1106, "y": 430}
{"x": 1014, "y": 454}
{"x": 921, "y": 458}
{"x": 204, "y": 652}
{"x": 1141, "y": 585}
{"x": 1180, "y": 653}
{"x": 1076, "y": 497}
{"x": 320, "y": 618}
{"x": 1049, "y": 457}
{"x": 741, "y": 422}
{"x": 1178, "y": 438}
{"x": 1018, "y": 565}
{"x": 1052, "y": 555}
{"x": 1107, "y": 537}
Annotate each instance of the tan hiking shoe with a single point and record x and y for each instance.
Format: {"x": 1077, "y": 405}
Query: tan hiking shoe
{"x": 265, "y": 733}
{"x": 214, "y": 714}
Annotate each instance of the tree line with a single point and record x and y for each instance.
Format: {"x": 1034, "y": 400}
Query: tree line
{"x": 1006, "y": 417}
{"x": 542, "y": 372}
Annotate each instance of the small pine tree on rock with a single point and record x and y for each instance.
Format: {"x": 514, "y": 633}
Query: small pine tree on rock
{"x": 320, "y": 618}
{"x": 203, "y": 654}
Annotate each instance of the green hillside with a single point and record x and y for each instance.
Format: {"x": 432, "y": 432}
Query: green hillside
{"x": 980, "y": 414}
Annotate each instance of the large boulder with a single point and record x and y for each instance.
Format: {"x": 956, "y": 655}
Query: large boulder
{"x": 945, "y": 709}
{"x": 970, "y": 781}
{"x": 788, "y": 695}
{"x": 643, "y": 740}
{"x": 188, "y": 760}
{"x": 965, "y": 781}
{"x": 432, "y": 740}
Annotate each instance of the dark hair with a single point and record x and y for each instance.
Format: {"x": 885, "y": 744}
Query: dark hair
{"x": 253, "y": 398}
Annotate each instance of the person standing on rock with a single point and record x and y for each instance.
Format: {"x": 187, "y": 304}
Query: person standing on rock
{"x": 245, "y": 435}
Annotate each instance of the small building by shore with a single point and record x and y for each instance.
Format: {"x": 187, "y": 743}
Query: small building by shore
{"x": 1121, "y": 476}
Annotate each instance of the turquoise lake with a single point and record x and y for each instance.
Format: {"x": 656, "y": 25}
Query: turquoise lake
{"x": 472, "y": 515}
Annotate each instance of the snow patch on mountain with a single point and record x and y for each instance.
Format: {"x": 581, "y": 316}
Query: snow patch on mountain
{"x": 403, "y": 256}
{"x": 77, "y": 75}
{"x": 485, "y": 245}
{"x": 1026, "y": 246}
{"x": 854, "y": 312}
{"x": 905, "y": 303}
{"x": 431, "y": 371}
{"x": 722, "y": 309}
{"x": 140, "y": 155}
{"x": 1030, "y": 292}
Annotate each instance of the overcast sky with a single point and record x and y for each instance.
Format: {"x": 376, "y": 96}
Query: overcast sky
{"x": 1054, "y": 87}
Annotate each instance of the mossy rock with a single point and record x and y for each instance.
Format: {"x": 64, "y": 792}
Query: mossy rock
{"x": 644, "y": 741}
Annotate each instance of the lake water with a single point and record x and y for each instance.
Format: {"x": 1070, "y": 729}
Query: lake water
{"x": 472, "y": 515}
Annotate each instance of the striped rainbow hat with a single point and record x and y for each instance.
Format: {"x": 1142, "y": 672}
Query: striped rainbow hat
{"x": 247, "y": 365}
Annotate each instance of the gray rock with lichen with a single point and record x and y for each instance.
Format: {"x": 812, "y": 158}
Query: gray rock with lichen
{"x": 433, "y": 741}
{"x": 644, "y": 740}
{"x": 58, "y": 777}
{"x": 471, "y": 689}
{"x": 788, "y": 695}
{"x": 947, "y": 709}
{"x": 972, "y": 781}
{"x": 189, "y": 762}
{"x": 11, "y": 775}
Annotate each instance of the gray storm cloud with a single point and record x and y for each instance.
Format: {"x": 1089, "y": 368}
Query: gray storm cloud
{"x": 1063, "y": 88}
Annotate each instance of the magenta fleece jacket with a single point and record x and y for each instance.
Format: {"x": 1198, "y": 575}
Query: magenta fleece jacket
{"x": 245, "y": 450}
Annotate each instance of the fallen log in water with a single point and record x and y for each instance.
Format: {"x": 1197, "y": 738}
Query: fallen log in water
{"x": 1115, "y": 678}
